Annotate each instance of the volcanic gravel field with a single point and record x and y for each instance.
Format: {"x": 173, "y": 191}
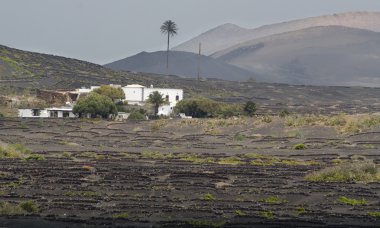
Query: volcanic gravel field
{"x": 188, "y": 173}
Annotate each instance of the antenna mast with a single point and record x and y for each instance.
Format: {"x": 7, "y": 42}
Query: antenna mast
{"x": 199, "y": 61}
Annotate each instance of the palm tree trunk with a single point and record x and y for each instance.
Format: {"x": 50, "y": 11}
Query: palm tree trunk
{"x": 167, "y": 54}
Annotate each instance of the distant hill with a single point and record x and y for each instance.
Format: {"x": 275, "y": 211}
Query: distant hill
{"x": 331, "y": 55}
{"x": 228, "y": 35}
{"x": 182, "y": 64}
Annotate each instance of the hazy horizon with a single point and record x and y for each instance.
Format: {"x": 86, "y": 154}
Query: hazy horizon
{"x": 104, "y": 31}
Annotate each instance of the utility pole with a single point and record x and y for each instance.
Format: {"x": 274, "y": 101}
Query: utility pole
{"x": 199, "y": 61}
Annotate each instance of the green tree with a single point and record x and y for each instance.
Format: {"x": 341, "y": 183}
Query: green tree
{"x": 250, "y": 108}
{"x": 111, "y": 92}
{"x": 199, "y": 108}
{"x": 96, "y": 105}
{"x": 169, "y": 28}
{"x": 156, "y": 99}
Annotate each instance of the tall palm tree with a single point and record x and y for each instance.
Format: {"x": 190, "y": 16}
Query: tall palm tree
{"x": 169, "y": 28}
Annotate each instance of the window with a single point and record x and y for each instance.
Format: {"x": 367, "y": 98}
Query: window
{"x": 167, "y": 97}
{"x": 36, "y": 112}
{"x": 177, "y": 98}
{"x": 66, "y": 114}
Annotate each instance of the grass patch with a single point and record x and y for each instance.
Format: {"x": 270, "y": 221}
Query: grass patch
{"x": 354, "y": 171}
{"x": 240, "y": 213}
{"x": 196, "y": 159}
{"x": 267, "y": 214}
{"x": 300, "y": 147}
{"x": 231, "y": 161}
{"x": 35, "y": 157}
{"x": 27, "y": 207}
{"x": 301, "y": 210}
{"x": 209, "y": 197}
{"x": 274, "y": 200}
{"x": 353, "y": 202}
{"x": 375, "y": 214}
{"x": 123, "y": 215}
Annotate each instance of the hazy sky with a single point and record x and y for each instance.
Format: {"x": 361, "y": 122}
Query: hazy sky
{"x": 102, "y": 31}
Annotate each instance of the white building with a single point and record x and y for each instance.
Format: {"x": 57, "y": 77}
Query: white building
{"x": 138, "y": 94}
{"x": 63, "y": 112}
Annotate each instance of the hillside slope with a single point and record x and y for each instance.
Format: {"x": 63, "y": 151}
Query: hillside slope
{"x": 331, "y": 55}
{"x": 228, "y": 35}
{"x": 182, "y": 64}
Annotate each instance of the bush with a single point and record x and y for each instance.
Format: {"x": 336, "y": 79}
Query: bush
{"x": 95, "y": 105}
{"x": 1, "y": 115}
{"x": 250, "y": 108}
{"x": 111, "y": 92}
{"x": 352, "y": 202}
{"x": 284, "y": 113}
{"x": 29, "y": 206}
{"x": 355, "y": 171}
{"x": 300, "y": 147}
{"x": 136, "y": 115}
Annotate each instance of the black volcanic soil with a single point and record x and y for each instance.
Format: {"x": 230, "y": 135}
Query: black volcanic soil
{"x": 113, "y": 167}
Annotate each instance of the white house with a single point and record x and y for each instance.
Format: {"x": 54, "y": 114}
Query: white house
{"x": 138, "y": 94}
{"x": 63, "y": 112}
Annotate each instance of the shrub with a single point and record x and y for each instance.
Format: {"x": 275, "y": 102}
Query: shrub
{"x": 300, "y": 147}
{"x": 95, "y": 105}
{"x": 374, "y": 214}
{"x": 198, "y": 108}
{"x": 209, "y": 197}
{"x": 111, "y": 92}
{"x": 240, "y": 213}
{"x": 284, "y": 113}
{"x": 354, "y": 171}
{"x": 352, "y": 202}
{"x": 1, "y": 115}
{"x": 231, "y": 161}
{"x": 267, "y": 214}
{"x": 29, "y": 206}
{"x": 36, "y": 157}
{"x": 136, "y": 115}
{"x": 250, "y": 108}
{"x": 123, "y": 215}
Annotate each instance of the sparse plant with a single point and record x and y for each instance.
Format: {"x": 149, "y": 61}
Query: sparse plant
{"x": 274, "y": 200}
{"x": 29, "y": 206}
{"x": 231, "y": 161}
{"x": 240, "y": 213}
{"x": 353, "y": 202}
{"x": 209, "y": 197}
{"x": 354, "y": 171}
{"x": 375, "y": 214}
{"x": 267, "y": 214}
{"x": 122, "y": 215}
{"x": 300, "y": 147}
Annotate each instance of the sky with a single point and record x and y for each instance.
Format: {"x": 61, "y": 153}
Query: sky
{"x": 102, "y": 31}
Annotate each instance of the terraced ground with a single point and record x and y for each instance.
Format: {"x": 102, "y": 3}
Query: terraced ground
{"x": 190, "y": 173}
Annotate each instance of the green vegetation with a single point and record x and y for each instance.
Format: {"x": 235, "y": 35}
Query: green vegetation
{"x": 209, "y": 197}
{"x": 343, "y": 123}
{"x": 353, "y": 202}
{"x": 267, "y": 214}
{"x": 111, "y": 92}
{"x": 250, "y": 108}
{"x": 300, "y": 147}
{"x": 240, "y": 137}
{"x": 123, "y": 215}
{"x": 156, "y": 99}
{"x": 240, "y": 213}
{"x": 301, "y": 210}
{"x": 231, "y": 161}
{"x": 136, "y": 115}
{"x": 196, "y": 159}
{"x": 284, "y": 113}
{"x": 274, "y": 200}
{"x": 169, "y": 28}
{"x": 158, "y": 124}
{"x": 374, "y": 214}
{"x": 95, "y": 105}
{"x": 35, "y": 157}
{"x": 27, "y": 207}
{"x": 19, "y": 151}
{"x": 353, "y": 171}
{"x": 202, "y": 108}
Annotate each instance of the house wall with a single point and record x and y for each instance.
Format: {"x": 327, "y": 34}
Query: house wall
{"x": 133, "y": 94}
{"x": 165, "y": 110}
{"x": 172, "y": 93}
{"x": 28, "y": 113}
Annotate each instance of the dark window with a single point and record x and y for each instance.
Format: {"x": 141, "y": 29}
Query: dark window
{"x": 177, "y": 98}
{"x": 54, "y": 114}
{"x": 167, "y": 97}
{"x": 36, "y": 112}
{"x": 66, "y": 114}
